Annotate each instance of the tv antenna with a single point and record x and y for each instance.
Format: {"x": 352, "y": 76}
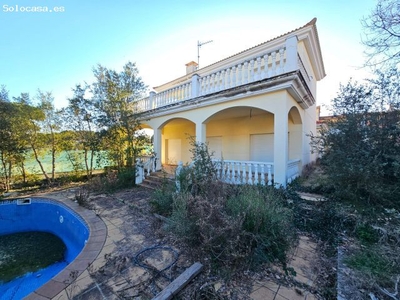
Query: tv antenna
{"x": 199, "y": 44}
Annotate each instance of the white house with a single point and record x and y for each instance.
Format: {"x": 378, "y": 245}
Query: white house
{"x": 255, "y": 109}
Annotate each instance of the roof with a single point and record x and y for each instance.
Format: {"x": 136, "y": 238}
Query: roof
{"x": 311, "y": 24}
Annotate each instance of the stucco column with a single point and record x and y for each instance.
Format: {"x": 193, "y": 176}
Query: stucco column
{"x": 291, "y": 54}
{"x": 157, "y": 147}
{"x": 280, "y": 145}
{"x": 200, "y": 132}
{"x": 195, "y": 86}
{"x": 151, "y": 99}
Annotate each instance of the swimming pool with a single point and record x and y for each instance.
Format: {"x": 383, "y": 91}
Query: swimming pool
{"x": 40, "y": 214}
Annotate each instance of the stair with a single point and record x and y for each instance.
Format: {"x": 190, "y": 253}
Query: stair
{"x": 155, "y": 180}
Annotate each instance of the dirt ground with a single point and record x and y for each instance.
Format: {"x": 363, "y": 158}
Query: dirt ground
{"x": 140, "y": 259}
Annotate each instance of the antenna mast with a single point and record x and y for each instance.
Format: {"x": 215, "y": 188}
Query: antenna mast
{"x": 199, "y": 44}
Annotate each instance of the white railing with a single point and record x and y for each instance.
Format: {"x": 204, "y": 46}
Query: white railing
{"x": 247, "y": 172}
{"x": 244, "y": 172}
{"x": 144, "y": 166}
{"x": 258, "y": 68}
{"x": 266, "y": 64}
{"x": 293, "y": 170}
{"x": 174, "y": 95}
{"x": 238, "y": 172}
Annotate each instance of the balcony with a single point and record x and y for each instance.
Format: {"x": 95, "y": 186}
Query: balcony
{"x": 266, "y": 66}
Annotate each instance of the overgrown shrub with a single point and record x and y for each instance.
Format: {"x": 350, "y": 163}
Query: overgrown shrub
{"x": 162, "y": 198}
{"x": 267, "y": 219}
{"x": 113, "y": 180}
{"x": 235, "y": 226}
{"x": 360, "y": 147}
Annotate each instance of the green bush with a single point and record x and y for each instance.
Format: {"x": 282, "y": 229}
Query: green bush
{"x": 113, "y": 180}
{"x": 236, "y": 226}
{"x": 266, "y": 217}
{"x": 162, "y": 198}
{"x": 359, "y": 148}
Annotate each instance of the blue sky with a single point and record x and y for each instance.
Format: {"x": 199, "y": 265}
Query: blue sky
{"x": 54, "y": 51}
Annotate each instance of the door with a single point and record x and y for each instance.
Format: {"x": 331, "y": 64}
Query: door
{"x": 262, "y": 147}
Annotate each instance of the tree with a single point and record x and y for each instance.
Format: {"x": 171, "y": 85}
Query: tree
{"x": 80, "y": 118}
{"x": 50, "y": 125}
{"x": 8, "y": 143}
{"x": 115, "y": 96}
{"x": 30, "y": 117}
{"x": 14, "y": 141}
{"x": 361, "y": 146}
{"x": 382, "y": 33}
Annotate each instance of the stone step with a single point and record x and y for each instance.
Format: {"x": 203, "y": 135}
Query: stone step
{"x": 155, "y": 180}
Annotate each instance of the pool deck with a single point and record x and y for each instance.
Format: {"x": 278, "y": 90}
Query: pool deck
{"x": 98, "y": 234}
{"x": 106, "y": 233}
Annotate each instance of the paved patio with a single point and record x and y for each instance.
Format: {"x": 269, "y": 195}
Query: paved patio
{"x": 123, "y": 231}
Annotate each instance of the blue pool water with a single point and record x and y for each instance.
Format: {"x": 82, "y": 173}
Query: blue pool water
{"x": 47, "y": 216}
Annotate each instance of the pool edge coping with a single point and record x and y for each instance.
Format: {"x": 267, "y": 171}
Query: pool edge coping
{"x": 93, "y": 247}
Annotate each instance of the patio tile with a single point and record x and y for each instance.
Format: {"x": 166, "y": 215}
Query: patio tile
{"x": 290, "y": 293}
{"x": 262, "y": 293}
{"x": 307, "y": 245}
{"x": 118, "y": 283}
{"x": 116, "y": 235}
{"x": 107, "y": 249}
{"x": 50, "y": 289}
{"x": 97, "y": 238}
{"x": 135, "y": 275}
{"x": 60, "y": 296}
{"x": 79, "y": 264}
{"x": 308, "y": 255}
{"x": 98, "y": 263}
{"x": 91, "y": 255}
{"x": 34, "y": 296}
{"x": 94, "y": 246}
{"x": 116, "y": 222}
{"x": 268, "y": 284}
{"x": 303, "y": 270}
{"x": 64, "y": 277}
{"x": 81, "y": 284}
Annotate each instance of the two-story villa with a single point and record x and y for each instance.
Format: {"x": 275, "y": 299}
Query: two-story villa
{"x": 255, "y": 109}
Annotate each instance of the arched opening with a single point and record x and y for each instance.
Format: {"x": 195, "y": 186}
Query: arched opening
{"x": 175, "y": 141}
{"x": 241, "y": 133}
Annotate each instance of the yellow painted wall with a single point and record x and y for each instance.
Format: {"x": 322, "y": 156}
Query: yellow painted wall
{"x": 236, "y": 133}
{"x": 182, "y": 131}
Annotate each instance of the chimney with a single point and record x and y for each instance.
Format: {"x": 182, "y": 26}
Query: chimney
{"x": 191, "y": 67}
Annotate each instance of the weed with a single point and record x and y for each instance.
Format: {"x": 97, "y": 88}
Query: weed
{"x": 372, "y": 263}
{"x": 236, "y": 226}
{"x": 162, "y": 198}
{"x": 82, "y": 196}
{"x": 366, "y": 234}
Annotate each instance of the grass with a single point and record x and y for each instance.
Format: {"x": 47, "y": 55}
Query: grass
{"x": 370, "y": 262}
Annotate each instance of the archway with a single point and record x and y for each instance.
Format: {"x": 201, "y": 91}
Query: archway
{"x": 241, "y": 133}
{"x": 175, "y": 141}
